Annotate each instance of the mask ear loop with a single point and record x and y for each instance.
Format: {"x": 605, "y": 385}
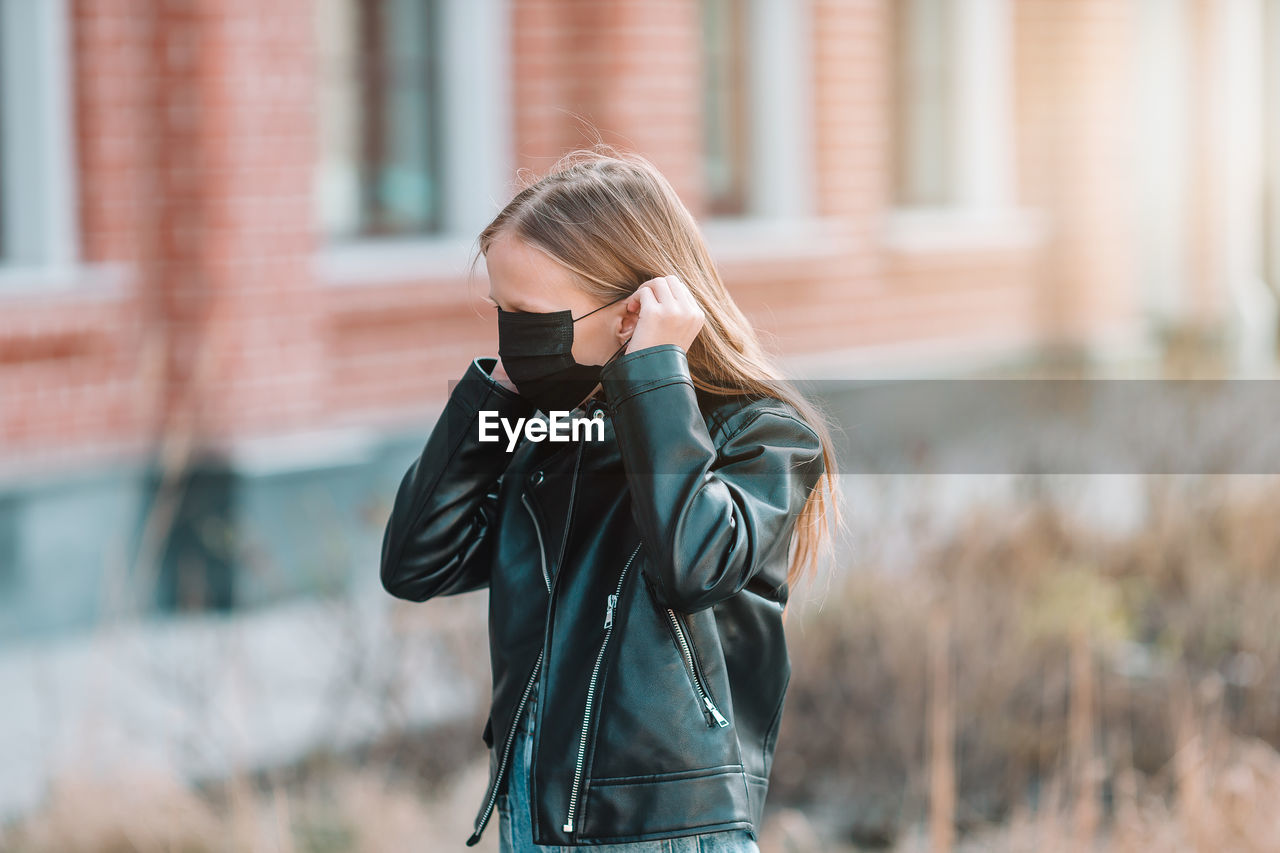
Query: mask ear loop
{"x": 616, "y": 352}
{"x": 624, "y": 343}
{"x": 597, "y": 394}
{"x": 602, "y": 307}
{"x": 610, "y": 359}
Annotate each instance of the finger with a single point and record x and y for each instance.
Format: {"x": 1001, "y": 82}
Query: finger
{"x": 647, "y": 300}
{"x": 634, "y": 302}
{"x": 681, "y": 300}
{"x": 682, "y": 294}
{"x": 662, "y": 291}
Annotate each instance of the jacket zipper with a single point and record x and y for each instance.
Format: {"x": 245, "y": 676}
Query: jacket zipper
{"x": 542, "y": 553}
{"x": 611, "y": 604}
{"x": 710, "y": 711}
{"x": 506, "y": 751}
{"x": 493, "y": 795}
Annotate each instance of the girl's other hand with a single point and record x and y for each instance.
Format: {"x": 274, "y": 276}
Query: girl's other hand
{"x": 668, "y": 314}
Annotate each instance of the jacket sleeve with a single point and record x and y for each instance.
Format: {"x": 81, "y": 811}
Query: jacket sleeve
{"x": 712, "y": 518}
{"x": 439, "y": 535}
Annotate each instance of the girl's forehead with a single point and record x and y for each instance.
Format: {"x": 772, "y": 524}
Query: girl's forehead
{"x": 524, "y": 278}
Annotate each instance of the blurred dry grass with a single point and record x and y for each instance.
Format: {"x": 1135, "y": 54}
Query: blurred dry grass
{"x": 1030, "y": 685}
{"x": 404, "y": 793}
{"x": 1108, "y": 690}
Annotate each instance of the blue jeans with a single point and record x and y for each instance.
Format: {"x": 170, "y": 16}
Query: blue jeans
{"x": 516, "y": 836}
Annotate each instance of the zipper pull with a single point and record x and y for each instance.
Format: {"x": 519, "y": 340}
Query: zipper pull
{"x": 568, "y": 827}
{"x": 608, "y": 613}
{"x": 715, "y": 712}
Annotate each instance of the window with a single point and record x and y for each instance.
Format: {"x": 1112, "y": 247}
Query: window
{"x": 727, "y": 132}
{"x": 3, "y": 100}
{"x": 10, "y": 553}
{"x": 953, "y": 93}
{"x": 414, "y": 126}
{"x": 953, "y": 127}
{"x": 757, "y": 86}
{"x": 925, "y": 122}
{"x": 37, "y": 175}
{"x": 379, "y": 171}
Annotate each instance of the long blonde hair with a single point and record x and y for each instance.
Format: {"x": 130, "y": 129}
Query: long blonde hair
{"x": 614, "y": 221}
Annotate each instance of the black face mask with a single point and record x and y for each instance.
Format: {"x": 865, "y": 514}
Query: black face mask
{"x": 536, "y": 349}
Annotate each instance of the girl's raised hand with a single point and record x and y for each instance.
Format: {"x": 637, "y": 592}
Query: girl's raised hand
{"x": 668, "y": 314}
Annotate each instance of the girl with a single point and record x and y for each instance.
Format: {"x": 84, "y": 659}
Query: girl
{"x": 638, "y": 574}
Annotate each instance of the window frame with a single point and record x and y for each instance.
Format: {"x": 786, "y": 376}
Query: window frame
{"x": 734, "y": 91}
{"x": 41, "y": 247}
{"x": 981, "y": 210}
{"x": 475, "y": 152}
{"x": 781, "y": 216}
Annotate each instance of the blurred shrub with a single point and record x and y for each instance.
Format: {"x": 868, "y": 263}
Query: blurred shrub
{"x": 1191, "y": 598}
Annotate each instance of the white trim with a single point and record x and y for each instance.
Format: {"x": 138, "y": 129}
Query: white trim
{"x": 731, "y": 239}
{"x": 105, "y": 280}
{"x": 39, "y": 139}
{"x": 954, "y": 356}
{"x": 946, "y": 229}
{"x": 737, "y": 239}
{"x": 1121, "y": 350}
{"x": 385, "y": 259}
{"x": 477, "y": 156}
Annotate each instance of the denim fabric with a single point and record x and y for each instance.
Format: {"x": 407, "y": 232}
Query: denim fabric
{"x": 516, "y": 836}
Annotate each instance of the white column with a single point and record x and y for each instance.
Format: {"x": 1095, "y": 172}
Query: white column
{"x": 1271, "y": 151}
{"x": 984, "y": 110}
{"x": 1160, "y": 153}
{"x": 1239, "y": 126}
{"x": 477, "y": 112}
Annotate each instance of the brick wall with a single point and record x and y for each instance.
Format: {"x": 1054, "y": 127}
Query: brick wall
{"x": 196, "y": 137}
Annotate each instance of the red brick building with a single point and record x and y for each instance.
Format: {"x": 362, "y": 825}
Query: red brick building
{"x": 242, "y": 228}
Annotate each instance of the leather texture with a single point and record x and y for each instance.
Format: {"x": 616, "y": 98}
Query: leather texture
{"x": 657, "y": 710}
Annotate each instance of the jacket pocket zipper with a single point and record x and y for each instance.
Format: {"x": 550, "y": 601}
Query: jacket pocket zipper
{"x": 506, "y": 751}
{"x": 710, "y": 711}
{"x": 542, "y": 552}
{"x": 591, "y": 689}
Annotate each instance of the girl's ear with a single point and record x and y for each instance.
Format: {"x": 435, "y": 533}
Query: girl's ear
{"x": 627, "y": 324}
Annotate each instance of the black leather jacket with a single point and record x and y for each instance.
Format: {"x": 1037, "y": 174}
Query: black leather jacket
{"x": 652, "y": 622}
